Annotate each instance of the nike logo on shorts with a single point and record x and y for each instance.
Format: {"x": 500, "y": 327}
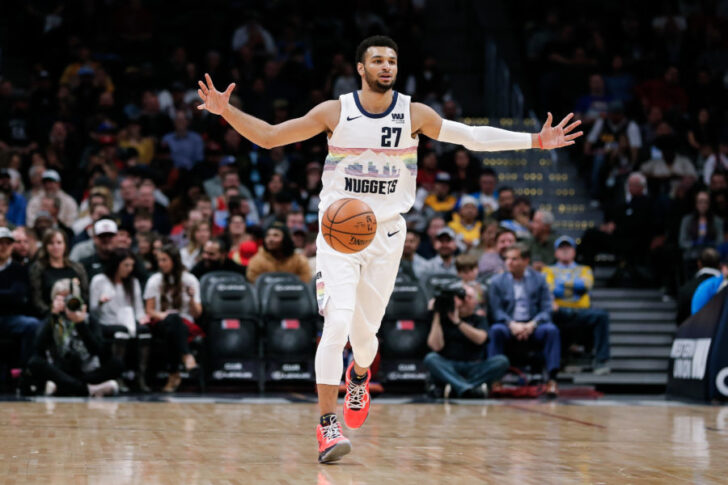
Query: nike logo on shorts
{"x": 390, "y": 234}
{"x": 349, "y": 118}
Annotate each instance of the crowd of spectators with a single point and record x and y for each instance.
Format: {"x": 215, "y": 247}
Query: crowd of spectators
{"x": 649, "y": 83}
{"x": 115, "y": 187}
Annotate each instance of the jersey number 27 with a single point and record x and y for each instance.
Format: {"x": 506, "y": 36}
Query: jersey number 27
{"x": 387, "y": 136}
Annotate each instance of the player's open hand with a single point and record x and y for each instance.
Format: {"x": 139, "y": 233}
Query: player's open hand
{"x": 560, "y": 135}
{"x": 213, "y": 100}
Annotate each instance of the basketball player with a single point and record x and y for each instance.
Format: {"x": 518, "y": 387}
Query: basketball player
{"x": 373, "y": 136}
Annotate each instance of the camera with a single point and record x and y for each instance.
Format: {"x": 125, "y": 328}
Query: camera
{"x": 74, "y": 303}
{"x": 445, "y": 297}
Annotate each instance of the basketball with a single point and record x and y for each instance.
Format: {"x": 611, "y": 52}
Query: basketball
{"x": 349, "y": 225}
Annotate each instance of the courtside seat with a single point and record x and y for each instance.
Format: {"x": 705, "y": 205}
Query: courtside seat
{"x": 290, "y": 317}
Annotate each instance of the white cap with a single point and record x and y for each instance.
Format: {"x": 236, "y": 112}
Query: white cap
{"x": 51, "y": 175}
{"x": 6, "y": 233}
{"x": 105, "y": 226}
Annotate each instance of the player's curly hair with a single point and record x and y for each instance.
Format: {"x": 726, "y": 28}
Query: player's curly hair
{"x": 374, "y": 41}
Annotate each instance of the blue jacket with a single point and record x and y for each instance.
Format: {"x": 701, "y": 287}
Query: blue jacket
{"x": 705, "y": 292}
{"x": 502, "y": 301}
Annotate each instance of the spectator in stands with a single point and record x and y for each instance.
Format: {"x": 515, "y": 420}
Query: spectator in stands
{"x": 105, "y": 231}
{"x": 214, "y": 185}
{"x": 128, "y": 192}
{"x": 77, "y": 363}
{"x": 14, "y": 291}
{"x": 493, "y": 262}
{"x": 521, "y": 220}
{"x": 519, "y": 302}
{"x": 446, "y": 247}
{"x": 412, "y": 264}
{"x": 592, "y": 106}
{"x": 708, "y": 267}
{"x": 186, "y": 147}
{"x": 215, "y": 258}
{"x": 441, "y": 201}
{"x": 84, "y": 242}
{"x": 709, "y": 288}
{"x": 145, "y": 200}
{"x": 542, "y": 243}
{"x": 506, "y": 198}
{"x": 717, "y": 161}
{"x": 467, "y": 269}
{"x": 426, "y": 249}
{"x": 487, "y": 196}
{"x": 427, "y": 172}
{"x": 53, "y": 265}
{"x": 52, "y": 188}
{"x": 570, "y": 284}
{"x": 458, "y": 358}
{"x": 16, "y": 202}
{"x": 145, "y": 250}
{"x": 665, "y": 93}
{"x": 245, "y": 253}
{"x": 198, "y": 235}
{"x": 664, "y": 173}
{"x": 282, "y": 204}
{"x": 701, "y": 229}
{"x": 115, "y": 300}
{"x": 603, "y": 144}
{"x": 235, "y": 231}
{"x": 277, "y": 255}
{"x": 25, "y": 246}
{"x": 487, "y": 239}
{"x": 172, "y": 302}
{"x": 465, "y": 221}
{"x": 180, "y": 232}
{"x": 464, "y": 174}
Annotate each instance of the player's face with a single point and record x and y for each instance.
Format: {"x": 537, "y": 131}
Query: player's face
{"x": 379, "y": 70}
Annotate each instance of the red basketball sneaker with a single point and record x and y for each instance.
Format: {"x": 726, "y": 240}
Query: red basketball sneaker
{"x": 356, "y": 402}
{"x": 332, "y": 444}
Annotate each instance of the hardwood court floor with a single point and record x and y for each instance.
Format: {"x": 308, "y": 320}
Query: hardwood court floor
{"x": 107, "y": 442}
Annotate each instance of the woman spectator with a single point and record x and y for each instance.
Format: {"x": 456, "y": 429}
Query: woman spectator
{"x": 145, "y": 250}
{"x": 199, "y": 233}
{"x": 116, "y": 302}
{"x": 52, "y": 265}
{"x": 700, "y": 229}
{"x": 278, "y": 254}
{"x": 235, "y": 233}
{"x": 274, "y": 186}
{"x": 172, "y": 302}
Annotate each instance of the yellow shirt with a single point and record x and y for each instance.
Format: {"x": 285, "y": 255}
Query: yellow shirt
{"x": 470, "y": 234}
{"x": 570, "y": 285}
{"x": 441, "y": 205}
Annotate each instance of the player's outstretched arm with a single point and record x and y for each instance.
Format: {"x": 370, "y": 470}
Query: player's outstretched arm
{"x": 321, "y": 118}
{"x": 489, "y": 139}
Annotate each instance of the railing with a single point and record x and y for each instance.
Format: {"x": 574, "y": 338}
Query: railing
{"x": 502, "y": 97}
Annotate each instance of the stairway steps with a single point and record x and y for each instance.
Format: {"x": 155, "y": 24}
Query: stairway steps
{"x": 645, "y": 340}
{"x": 642, "y": 328}
{"x": 639, "y": 365}
{"x": 632, "y": 352}
{"x": 623, "y": 378}
{"x": 634, "y": 305}
{"x": 639, "y": 317}
{"x": 599, "y": 294}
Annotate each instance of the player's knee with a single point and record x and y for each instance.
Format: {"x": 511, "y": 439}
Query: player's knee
{"x": 336, "y": 327}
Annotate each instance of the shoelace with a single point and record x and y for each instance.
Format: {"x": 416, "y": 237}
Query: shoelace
{"x": 332, "y": 431}
{"x": 357, "y": 396}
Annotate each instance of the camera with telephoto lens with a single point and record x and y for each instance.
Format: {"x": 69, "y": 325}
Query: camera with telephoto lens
{"x": 74, "y": 303}
{"x": 445, "y": 297}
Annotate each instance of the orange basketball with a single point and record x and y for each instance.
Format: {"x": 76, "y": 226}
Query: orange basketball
{"x": 349, "y": 225}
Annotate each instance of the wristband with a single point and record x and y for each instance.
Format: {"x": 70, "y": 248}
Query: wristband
{"x": 540, "y": 142}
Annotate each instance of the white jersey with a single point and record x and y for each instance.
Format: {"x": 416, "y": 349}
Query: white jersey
{"x": 372, "y": 157}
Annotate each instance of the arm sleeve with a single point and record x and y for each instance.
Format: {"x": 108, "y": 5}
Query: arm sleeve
{"x": 483, "y": 138}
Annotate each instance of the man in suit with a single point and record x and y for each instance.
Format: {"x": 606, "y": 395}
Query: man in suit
{"x": 708, "y": 267}
{"x": 520, "y": 308}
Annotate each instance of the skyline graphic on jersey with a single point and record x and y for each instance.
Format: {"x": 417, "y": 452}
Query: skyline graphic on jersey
{"x": 406, "y": 156}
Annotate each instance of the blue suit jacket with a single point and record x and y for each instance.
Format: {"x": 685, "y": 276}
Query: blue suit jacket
{"x": 502, "y": 301}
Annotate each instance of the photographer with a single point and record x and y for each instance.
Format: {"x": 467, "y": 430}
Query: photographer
{"x": 457, "y": 338}
{"x": 70, "y": 358}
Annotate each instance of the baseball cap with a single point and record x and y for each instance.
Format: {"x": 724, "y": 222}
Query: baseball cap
{"x": 105, "y": 226}
{"x": 51, "y": 175}
{"x": 442, "y": 177}
{"x": 6, "y": 233}
{"x": 247, "y": 250}
{"x": 446, "y": 231}
{"x": 468, "y": 199}
{"x": 564, "y": 240}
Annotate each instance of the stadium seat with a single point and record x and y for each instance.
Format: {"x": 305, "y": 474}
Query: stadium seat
{"x": 233, "y": 318}
{"x": 267, "y": 279}
{"x": 403, "y": 334}
{"x": 290, "y": 316}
